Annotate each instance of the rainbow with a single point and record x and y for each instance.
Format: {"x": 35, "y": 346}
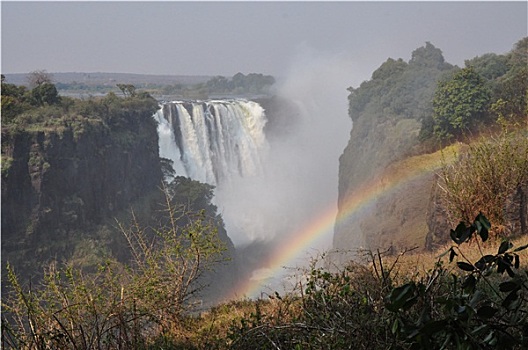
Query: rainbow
{"x": 301, "y": 240}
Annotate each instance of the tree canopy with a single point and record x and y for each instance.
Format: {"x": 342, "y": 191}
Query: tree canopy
{"x": 460, "y": 103}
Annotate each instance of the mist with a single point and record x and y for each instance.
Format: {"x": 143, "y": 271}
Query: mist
{"x": 300, "y": 177}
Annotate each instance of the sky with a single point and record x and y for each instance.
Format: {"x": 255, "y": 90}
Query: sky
{"x": 224, "y": 38}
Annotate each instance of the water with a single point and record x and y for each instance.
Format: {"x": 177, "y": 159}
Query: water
{"x": 214, "y": 141}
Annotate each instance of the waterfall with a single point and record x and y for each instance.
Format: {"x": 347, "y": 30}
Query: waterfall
{"x": 213, "y": 141}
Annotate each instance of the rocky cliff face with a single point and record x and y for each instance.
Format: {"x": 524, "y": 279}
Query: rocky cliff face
{"x": 389, "y": 194}
{"x": 383, "y": 201}
{"x": 60, "y": 182}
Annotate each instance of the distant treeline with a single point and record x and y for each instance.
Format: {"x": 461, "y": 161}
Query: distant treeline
{"x": 239, "y": 84}
{"x": 157, "y": 86}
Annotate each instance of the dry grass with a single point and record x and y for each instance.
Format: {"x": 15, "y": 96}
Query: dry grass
{"x": 414, "y": 265}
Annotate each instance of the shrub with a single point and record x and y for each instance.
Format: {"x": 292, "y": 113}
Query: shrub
{"x": 119, "y": 306}
{"x": 476, "y": 311}
{"x": 487, "y": 177}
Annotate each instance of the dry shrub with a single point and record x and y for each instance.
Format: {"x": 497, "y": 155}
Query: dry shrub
{"x": 490, "y": 177}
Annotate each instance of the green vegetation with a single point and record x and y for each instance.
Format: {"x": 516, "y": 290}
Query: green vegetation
{"x": 460, "y": 103}
{"x": 476, "y": 303}
{"x": 477, "y": 309}
{"x": 490, "y": 175}
{"x": 399, "y": 89}
{"x": 198, "y": 88}
{"x": 130, "y": 306}
{"x": 489, "y": 87}
{"x": 42, "y": 109}
{"x": 471, "y": 297}
{"x": 239, "y": 84}
{"x": 448, "y": 101}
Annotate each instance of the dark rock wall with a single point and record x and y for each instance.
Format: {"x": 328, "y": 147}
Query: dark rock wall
{"x": 63, "y": 181}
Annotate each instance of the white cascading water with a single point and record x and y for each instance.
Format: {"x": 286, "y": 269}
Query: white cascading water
{"x": 213, "y": 141}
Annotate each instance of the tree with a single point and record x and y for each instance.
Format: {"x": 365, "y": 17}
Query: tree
{"x": 459, "y": 103}
{"x": 13, "y": 100}
{"x": 218, "y": 84}
{"x": 45, "y": 94}
{"x": 38, "y": 78}
{"x": 512, "y": 87}
{"x": 128, "y": 90}
{"x": 428, "y": 56}
{"x": 491, "y": 66}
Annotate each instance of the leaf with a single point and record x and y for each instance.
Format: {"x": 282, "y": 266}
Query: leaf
{"x": 484, "y": 234}
{"x": 454, "y": 237}
{"x": 452, "y": 255}
{"x": 489, "y": 338}
{"x": 469, "y": 283}
{"x": 504, "y": 247}
{"x": 465, "y": 266}
{"x": 434, "y": 327}
{"x": 518, "y": 249}
{"x": 463, "y": 233}
{"x": 483, "y": 220}
{"x": 516, "y": 264}
{"x": 401, "y": 296}
{"x": 501, "y": 266}
{"x": 508, "y": 286}
{"x": 509, "y": 301}
{"x": 486, "y": 259}
{"x": 395, "y": 326}
{"x": 483, "y": 226}
{"x": 509, "y": 271}
{"x": 477, "y": 297}
{"x": 486, "y": 311}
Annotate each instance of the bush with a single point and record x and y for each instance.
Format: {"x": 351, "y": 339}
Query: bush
{"x": 487, "y": 177}
{"x": 476, "y": 311}
{"x": 119, "y": 306}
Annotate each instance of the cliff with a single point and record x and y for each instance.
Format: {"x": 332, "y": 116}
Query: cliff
{"x": 376, "y": 207}
{"x": 391, "y": 192}
{"x": 61, "y": 180}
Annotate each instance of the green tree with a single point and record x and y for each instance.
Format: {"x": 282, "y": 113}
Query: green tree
{"x": 491, "y": 66}
{"x": 13, "y": 100}
{"x": 45, "y": 94}
{"x": 512, "y": 87}
{"x": 428, "y": 56}
{"x": 218, "y": 84}
{"x": 460, "y": 103}
{"x": 128, "y": 90}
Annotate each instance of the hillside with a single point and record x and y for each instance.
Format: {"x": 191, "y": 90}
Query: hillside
{"x": 388, "y": 194}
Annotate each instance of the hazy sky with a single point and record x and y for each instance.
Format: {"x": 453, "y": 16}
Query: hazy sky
{"x": 223, "y": 38}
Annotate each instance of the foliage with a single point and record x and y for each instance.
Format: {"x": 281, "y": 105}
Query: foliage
{"x": 460, "y": 103}
{"x": 331, "y": 310}
{"x": 474, "y": 312}
{"x": 400, "y": 89}
{"x": 240, "y": 84}
{"x": 482, "y": 304}
{"x": 119, "y": 306}
{"x": 489, "y": 85}
{"x": 428, "y": 56}
{"x": 128, "y": 90}
{"x": 45, "y": 94}
{"x": 488, "y": 176}
{"x": 14, "y": 100}
{"x": 192, "y": 194}
{"x": 490, "y": 66}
